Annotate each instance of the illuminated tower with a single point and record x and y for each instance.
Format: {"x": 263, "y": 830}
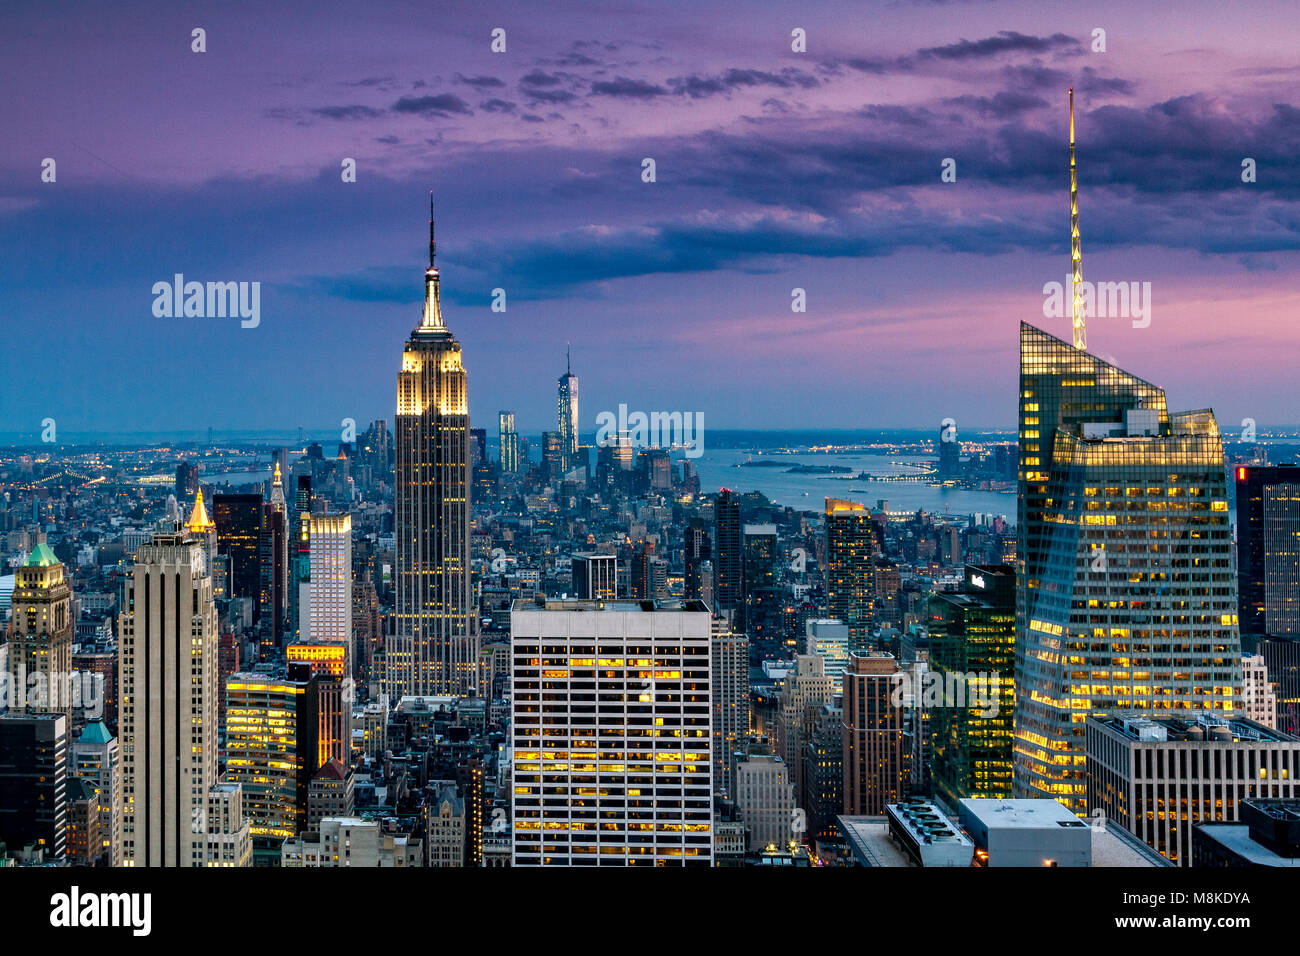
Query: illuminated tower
{"x": 1126, "y": 597}
{"x": 435, "y": 649}
{"x": 567, "y": 408}
{"x": 850, "y": 572}
{"x": 203, "y": 528}
{"x": 1076, "y": 251}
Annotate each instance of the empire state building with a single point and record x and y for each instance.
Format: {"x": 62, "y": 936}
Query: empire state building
{"x": 435, "y": 648}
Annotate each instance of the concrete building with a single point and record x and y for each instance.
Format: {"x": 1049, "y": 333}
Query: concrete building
{"x": 172, "y": 815}
{"x": 444, "y": 830}
{"x": 1025, "y": 833}
{"x": 352, "y": 842}
{"x": 1160, "y": 777}
{"x": 730, "y": 701}
{"x": 612, "y": 747}
{"x": 330, "y": 794}
{"x": 765, "y": 801}
{"x": 1259, "y": 701}
{"x": 40, "y": 637}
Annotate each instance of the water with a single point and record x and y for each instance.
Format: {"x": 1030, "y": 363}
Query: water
{"x": 805, "y": 492}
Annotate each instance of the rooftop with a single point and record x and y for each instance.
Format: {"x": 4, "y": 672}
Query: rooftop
{"x": 623, "y": 606}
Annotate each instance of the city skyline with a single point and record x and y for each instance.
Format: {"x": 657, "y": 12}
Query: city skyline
{"x": 817, "y": 170}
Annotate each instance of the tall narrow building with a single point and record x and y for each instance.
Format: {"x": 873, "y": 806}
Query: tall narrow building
{"x": 435, "y": 648}
{"x": 850, "y": 570}
{"x": 567, "y": 410}
{"x": 168, "y": 712}
{"x": 40, "y": 636}
{"x": 728, "y": 563}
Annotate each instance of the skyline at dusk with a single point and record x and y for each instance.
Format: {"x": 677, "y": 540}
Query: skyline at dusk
{"x": 775, "y": 170}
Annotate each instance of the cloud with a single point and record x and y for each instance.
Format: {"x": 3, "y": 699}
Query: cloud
{"x": 1007, "y": 41}
{"x": 698, "y": 86}
{"x": 1001, "y": 105}
{"x": 354, "y": 112}
{"x": 443, "y": 104}
{"x": 480, "y": 82}
{"x": 622, "y": 87}
{"x": 495, "y": 105}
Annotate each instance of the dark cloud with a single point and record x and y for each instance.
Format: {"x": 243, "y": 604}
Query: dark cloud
{"x": 540, "y": 78}
{"x": 480, "y": 82}
{"x": 1094, "y": 82}
{"x": 625, "y": 88}
{"x": 347, "y": 112}
{"x": 1001, "y": 105}
{"x": 1007, "y": 41}
{"x": 443, "y": 104}
{"x": 698, "y": 86}
{"x": 550, "y": 96}
{"x": 497, "y": 106}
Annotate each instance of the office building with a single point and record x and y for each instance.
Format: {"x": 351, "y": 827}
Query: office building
{"x": 765, "y": 801}
{"x": 806, "y": 687}
{"x": 972, "y": 660}
{"x": 1126, "y": 598}
{"x": 850, "y": 583}
{"x": 96, "y": 758}
{"x": 567, "y": 416}
{"x": 730, "y": 701}
{"x": 1025, "y": 833}
{"x": 168, "y": 709}
{"x": 829, "y": 639}
{"x": 40, "y": 637}
{"x": 616, "y": 694}
{"x": 329, "y": 601}
{"x": 1267, "y": 834}
{"x": 876, "y": 765}
{"x": 271, "y": 752}
{"x": 1259, "y": 701}
{"x": 331, "y": 793}
{"x": 595, "y": 576}
{"x": 435, "y": 649}
{"x": 239, "y": 534}
{"x": 1159, "y": 777}
{"x": 352, "y": 842}
{"x": 1253, "y": 533}
{"x": 728, "y": 586}
{"x": 34, "y": 783}
{"x": 507, "y": 443}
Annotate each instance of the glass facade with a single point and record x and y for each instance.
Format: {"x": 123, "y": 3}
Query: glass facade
{"x": 1126, "y": 593}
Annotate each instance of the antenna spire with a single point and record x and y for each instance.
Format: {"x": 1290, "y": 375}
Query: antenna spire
{"x": 568, "y": 368}
{"x": 433, "y": 245}
{"x": 1076, "y": 251}
{"x": 432, "y": 320}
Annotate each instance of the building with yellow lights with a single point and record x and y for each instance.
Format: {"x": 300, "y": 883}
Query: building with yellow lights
{"x": 612, "y": 733}
{"x": 1126, "y": 597}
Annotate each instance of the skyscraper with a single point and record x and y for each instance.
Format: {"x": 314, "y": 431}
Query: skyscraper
{"x": 728, "y": 562}
{"x": 567, "y": 408}
{"x": 874, "y": 749}
{"x": 33, "y": 782}
{"x": 972, "y": 656}
{"x": 329, "y": 601}
{"x": 1125, "y": 593}
{"x": 730, "y": 702}
{"x": 168, "y": 705}
{"x": 239, "y": 533}
{"x": 1252, "y": 535}
{"x": 622, "y": 782}
{"x": 435, "y": 648}
{"x": 850, "y": 583}
{"x": 508, "y": 443}
{"x": 40, "y": 636}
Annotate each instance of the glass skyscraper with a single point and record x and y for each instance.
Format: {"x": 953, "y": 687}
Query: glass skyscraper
{"x": 1126, "y": 596}
{"x": 567, "y": 415}
{"x": 435, "y": 649}
{"x": 850, "y": 581}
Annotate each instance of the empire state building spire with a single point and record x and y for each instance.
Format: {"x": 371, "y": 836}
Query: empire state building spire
{"x": 432, "y": 321}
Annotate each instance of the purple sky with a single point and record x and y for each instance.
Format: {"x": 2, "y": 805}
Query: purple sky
{"x": 775, "y": 170}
